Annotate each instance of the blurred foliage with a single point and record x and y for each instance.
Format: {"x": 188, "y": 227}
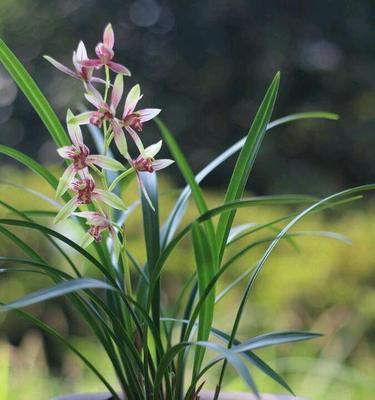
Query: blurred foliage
{"x": 326, "y": 286}
{"x": 206, "y": 64}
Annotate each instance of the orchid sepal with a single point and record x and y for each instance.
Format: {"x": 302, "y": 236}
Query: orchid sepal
{"x": 66, "y": 210}
{"x": 110, "y": 198}
{"x": 105, "y": 162}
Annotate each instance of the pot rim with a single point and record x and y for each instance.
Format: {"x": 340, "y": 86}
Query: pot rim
{"x": 205, "y": 395}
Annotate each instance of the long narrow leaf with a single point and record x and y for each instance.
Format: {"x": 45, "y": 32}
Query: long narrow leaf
{"x": 56, "y": 291}
{"x": 30, "y": 163}
{"x": 274, "y": 338}
{"x": 205, "y": 266}
{"x": 246, "y": 161}
{"x": 190, "y": 179}
{"x": 45, "y": 328}
{"x": 175, "y": 217}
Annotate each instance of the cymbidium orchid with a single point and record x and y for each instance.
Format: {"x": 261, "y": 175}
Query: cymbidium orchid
{"x": 146, "y": 163}
{"x": 105, "y": 54}
{"x": 128, "y": 319}
{"x": 99, "y": 223}
{"x": 105, "y": 112}
{"x": 81, "y": 158}
{"x": 81, "y": 72}
{"x": 132, "y": 120}
{"x": 85, "y": 193}
{"x": 76, "y": 176}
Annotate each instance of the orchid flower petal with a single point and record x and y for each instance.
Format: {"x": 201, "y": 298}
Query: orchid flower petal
{"x": 105, "y": 162}
{"x": 92, "y": 63}
{"x": 81, "y": 51}
{"x": 62, "y": 67}
{"x": 93, "y": 217}
{"x": 73, "y": 130}
{"x": 108, "y": 36}
{"x": 65, "y": 211}
{"x": 86, "y": 240}
{"x": 120, "y": 139}
{"x": 94, "y": 100}
{"x": 132, "y": 99}
{"x": 136, "y": 139}
{"x": 85, "y": 174}
{"x": 117, "y": 91}
{"x": 65, "y": 181}
{"x": 65, "y": 151}
{"x": 151, "y": 151}
{"x": 148, "y": 113}
{"x": 157, "y": 165}
{"x": 109, "y": 198}
{"x": 98, "y": 80}
{"x": 80, "y": 119}
{"x": 118, "y": 68}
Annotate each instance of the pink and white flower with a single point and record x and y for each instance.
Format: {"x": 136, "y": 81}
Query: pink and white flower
{"x": 106, "y": 112}
{"x": 99, "y": 223}
{"x": 132, "y": 120}
{"x": 146, "y": 163}
{"x": 81, "y": 158}
{"x": 81, "y": 72}
{"x": 105, "y": 54}
{"x": 85, "y": 193}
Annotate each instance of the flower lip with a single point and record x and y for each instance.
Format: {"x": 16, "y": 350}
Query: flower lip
{"x": 84, "y": 189}
{"x": 104, "y": 53}
{"x": 134, "y": 121}
{"x": 143, "y": 164}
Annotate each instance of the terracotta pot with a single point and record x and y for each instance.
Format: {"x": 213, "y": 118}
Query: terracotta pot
{"x": 203, "y": 396}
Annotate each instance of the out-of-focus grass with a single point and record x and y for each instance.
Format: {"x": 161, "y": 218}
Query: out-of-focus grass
{"x": 327, "y": 287}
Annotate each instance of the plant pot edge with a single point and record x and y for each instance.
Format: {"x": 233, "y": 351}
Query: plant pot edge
{"x": 204, "y": 396}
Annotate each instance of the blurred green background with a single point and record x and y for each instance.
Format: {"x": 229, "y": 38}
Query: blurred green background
{"x": 207, "y": 64}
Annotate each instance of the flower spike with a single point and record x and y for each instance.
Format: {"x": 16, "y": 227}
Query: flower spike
{"x": 81, "y": 158}
{"x": 85, "y": 192}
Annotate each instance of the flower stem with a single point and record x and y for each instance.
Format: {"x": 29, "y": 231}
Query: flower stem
{"x": 120, "y": 177}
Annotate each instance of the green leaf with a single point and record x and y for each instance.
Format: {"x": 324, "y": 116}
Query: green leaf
{"x": 45, "y": 328}
{"x": 33, "y": 192}
{"x": 260, "y": 264}
{"x": 56, "y": 291}
{"x": 151, "y": 234}
{"x": 249, "y": 355}
{"x": 33, "y": 94}
{"x": 30, "y": 163}
{"x": 224, "y": 353}
{"x": 175, "y": 217}
{"x": 246, "y": 161}
{"x": 205, "y": 266}
{"x": 70, "y": 243}
{"x": 188, "y": 175}
{"x": 274, "y": 338}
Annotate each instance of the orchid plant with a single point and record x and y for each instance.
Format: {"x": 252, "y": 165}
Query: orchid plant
{"x": 149, "y": 347}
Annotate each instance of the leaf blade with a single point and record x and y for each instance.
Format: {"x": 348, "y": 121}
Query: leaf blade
{"x": 246, "y": 160}
{"x": 58, "y": 290}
